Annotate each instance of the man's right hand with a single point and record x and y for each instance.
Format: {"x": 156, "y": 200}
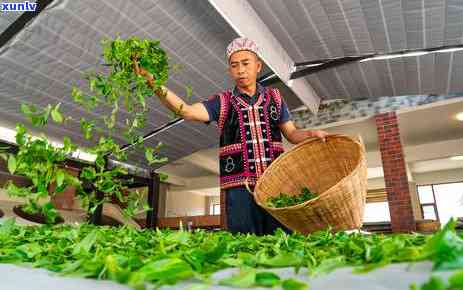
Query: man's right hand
{"x": 142, "y": 72}
{"x": 194, "y": 112}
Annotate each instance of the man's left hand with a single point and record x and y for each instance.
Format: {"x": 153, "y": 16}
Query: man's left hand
{"x": 319, "y": 134}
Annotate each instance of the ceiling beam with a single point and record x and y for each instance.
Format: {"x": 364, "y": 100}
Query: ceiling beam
{"x": 315, "y": 66}
{"x": 246, "y": 22}
{"x": 14, "y": 28}
{"x": 326, "y": 65}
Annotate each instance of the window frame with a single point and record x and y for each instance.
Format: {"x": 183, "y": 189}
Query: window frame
{"x": 433, "y": 195}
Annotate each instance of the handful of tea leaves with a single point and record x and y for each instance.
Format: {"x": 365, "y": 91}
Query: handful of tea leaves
{"x": 285, "y": 200}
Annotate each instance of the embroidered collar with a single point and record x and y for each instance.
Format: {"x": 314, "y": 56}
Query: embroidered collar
{"x": 259, "y": 90}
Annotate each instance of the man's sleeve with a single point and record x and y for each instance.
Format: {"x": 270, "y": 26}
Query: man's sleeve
{"x": 285, "y": 115}
{"x": 212, "y": 105}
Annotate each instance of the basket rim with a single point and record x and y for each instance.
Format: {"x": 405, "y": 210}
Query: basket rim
{"x": 304, "y": 143}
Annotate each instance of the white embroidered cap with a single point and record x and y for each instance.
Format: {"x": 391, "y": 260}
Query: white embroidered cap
{"x": 242, "y": 43}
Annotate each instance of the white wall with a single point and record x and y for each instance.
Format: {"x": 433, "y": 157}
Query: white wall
{"x": 376, "y": 183}
{"x": 184, "y": 203}
{"x": 433, "y": 177}
{"x": 444, "y": 176}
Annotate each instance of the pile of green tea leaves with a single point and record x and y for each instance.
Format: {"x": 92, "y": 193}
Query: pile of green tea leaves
{"x": 285, "y": 200}
{"x": 455, "y": 282}
{"x": 159, "y": 257}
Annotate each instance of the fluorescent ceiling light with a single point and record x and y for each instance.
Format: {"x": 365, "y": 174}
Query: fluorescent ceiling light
{"x": 450, "y": 49}
{"x": 268, "y": 77}
{"x": 391, "y": 56}
{"x": 311, "y": 65}
{"x": 459, "y": 116}
{"x": 300, "y": 108}
{"x": 9, "y": 135}
{"x": 457, "y": 158}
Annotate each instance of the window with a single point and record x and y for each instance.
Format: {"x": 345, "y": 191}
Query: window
{"x": 429, "y": 212}
{"x": 428, "y": 202}
{"x": 215, "y": 209}
{"x": 426, "y": 194}
{"x": 441, "y": 201}
{"x": 449, "y": 199}
{"x": 214, "y": 205}
{"x": 376, "y": 212}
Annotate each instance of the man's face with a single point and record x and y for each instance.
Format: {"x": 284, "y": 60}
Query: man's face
{"x": 244, "y": 66}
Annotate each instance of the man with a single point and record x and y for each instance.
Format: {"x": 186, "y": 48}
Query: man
{"x": 250, "y": 120}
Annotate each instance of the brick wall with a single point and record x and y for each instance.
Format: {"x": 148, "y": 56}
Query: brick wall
{"x": 395, "y": 173}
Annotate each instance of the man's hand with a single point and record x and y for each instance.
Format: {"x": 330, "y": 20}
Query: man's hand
{"x": 295, "y": 136}
{"x": 142, "y": 72}
{"x": 149, "y": 78}
{"x": 194, "y": 112}
{"x": 319, "y": 134}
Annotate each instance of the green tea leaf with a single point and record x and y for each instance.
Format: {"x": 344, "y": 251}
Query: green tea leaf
{"x": 456, "y": 280}
{"x": 267, "y": 279}
{"x": 49, "y": 211}
{"x": 285, "y": 200}
{"x": 60, "y": 178}
{"x": 68, "y": 146}
{"x": 149, "y": 154}
{"x": 88, "y": 173}
{"x": 293, "y": 284}
{"x": 244, "y": 279}
{"x": 435, "y": 283}
{"x": 280, "y": 260}
{"x": 84, "y": 246}
{"x": 328, "y": 265}
{"x": 445, "y": 248}
{"x": 26, "y": 110}
{"x": 30, "y": 250}
{"x": 198, "y": 287}
{"x": 56, "y": 115}
{"x": 12, "y": 164}
{"x": 169, "y": 270}
{"x": 154, "y": 158}
{"x": 163, "y": 176}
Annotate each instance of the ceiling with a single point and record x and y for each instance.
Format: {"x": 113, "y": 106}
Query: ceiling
{"x": 42, "y": 62}
{"x": 437, "y": 123}
{"x": 320, "y": 29}
{"x": 435, "y": 165}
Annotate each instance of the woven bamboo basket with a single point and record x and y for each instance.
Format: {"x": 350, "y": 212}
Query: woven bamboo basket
{"x": 427, "y": 226}
{"x": 335, "y": 169}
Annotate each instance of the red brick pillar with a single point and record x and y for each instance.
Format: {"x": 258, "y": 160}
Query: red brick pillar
{"x": 395, "y": 173}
